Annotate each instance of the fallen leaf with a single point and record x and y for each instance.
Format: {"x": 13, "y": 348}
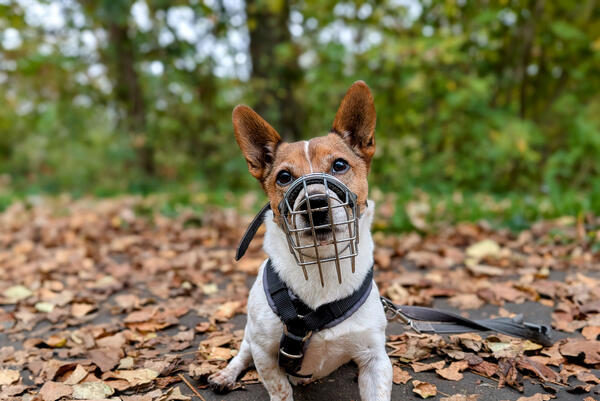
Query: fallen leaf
{"x": 92, "y": 391}
{"x": 227, "y": 311}
{"x": 401, "y": 376}
{"x": 77, "y": 375}
{"x": 17, "y": 293}
{"x": 466, "y": 301}
{"x": 423, "y": 367}
{"x": 591, "y": 332}
{"x": 45, "y": 307}
{"x": 8, "y": 376}
{"x": 417, "y": 212}
{"x": 173, "y": 394}
{"x": 52, "y": 391}
{"x": 105, "y": 358}
{"x": 126, "y": 363}
{"x": 576, "y": 346}
{"x": 452, "y": 372}
{"x": 483, "y": 249}
{"x": 536, "y": 397}
{"x": 251, "y": 376}
{"x": 461, "y": 397}
{"x": 56, "y": 341}
{"x": 115, "y": 341}
{"x": 80, "y": 310}
{"x": 137, "y": 376}
{"x": 424, "y": 389}
{"x": 483, "y": 270}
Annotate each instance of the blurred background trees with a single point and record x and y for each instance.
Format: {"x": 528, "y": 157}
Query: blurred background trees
{"x": 494, "y": 97}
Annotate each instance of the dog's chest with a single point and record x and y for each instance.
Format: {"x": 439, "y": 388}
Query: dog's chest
{"x": 327, "y": 351}
{"x": 350, "y": 340}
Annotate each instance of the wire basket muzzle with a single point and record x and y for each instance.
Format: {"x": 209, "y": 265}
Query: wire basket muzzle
{"x": 320, "y": 218}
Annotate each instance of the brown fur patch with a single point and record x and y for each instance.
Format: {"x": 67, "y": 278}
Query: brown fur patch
{"x": 322, "y": 152}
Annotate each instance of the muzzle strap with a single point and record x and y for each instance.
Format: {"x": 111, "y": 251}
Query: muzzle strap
{"x": 251, "y": 231}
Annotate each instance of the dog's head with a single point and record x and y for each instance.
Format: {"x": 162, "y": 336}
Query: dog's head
{"x": 344, "y": 153}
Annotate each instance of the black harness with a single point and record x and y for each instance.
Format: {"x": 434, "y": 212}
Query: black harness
{"x": 300, "y": 321}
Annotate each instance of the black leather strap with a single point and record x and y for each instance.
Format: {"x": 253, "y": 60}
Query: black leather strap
{"x": 452, "y": 323}
{"x": 251, "y": 231}
{"x": 300, "y": 321}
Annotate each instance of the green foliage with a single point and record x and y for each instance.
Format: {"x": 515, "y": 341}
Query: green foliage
{"x": 501, "y": 100}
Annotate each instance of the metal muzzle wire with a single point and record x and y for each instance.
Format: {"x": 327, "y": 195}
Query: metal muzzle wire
{"x": 320, "y": 218}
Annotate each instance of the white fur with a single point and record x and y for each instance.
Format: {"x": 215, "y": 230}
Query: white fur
{"x": 307, "y": 157}
{"x": 360, "y": 338}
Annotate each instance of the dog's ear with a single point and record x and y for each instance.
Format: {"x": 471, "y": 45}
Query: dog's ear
{"x": 355, "y": 120}
{"x": 256, "y": 138}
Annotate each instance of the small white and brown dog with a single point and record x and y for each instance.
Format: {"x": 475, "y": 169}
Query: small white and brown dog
{"x": 344, "y": 153}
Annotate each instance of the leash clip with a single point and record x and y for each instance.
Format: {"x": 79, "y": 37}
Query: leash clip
{"x": 396, "y": 314}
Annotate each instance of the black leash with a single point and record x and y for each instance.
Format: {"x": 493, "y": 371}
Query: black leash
{"x": 428, "y": 320}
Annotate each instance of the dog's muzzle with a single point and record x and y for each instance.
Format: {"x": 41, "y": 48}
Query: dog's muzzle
{"x": 320, "y": 216}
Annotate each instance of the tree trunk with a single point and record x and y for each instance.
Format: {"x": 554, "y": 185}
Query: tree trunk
{"x": 129, "y": 93}
{"x": 275, "y": 69}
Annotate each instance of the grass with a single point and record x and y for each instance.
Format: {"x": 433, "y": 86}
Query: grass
{"x": 396, "y": 211}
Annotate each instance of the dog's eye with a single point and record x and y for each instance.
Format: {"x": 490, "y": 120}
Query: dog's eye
{"x": 340, "y": 166}
{"x": 284, "y": 177}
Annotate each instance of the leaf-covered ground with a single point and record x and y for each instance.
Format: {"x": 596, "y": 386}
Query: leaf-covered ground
{"x": 108, "y": 299}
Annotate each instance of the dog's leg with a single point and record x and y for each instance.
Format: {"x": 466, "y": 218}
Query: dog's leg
{"x": 271, "y": 376}
{"x": 224, "y": 380}
{"x": 374, "y": 374}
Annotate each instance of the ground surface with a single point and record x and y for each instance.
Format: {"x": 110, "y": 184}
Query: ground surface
{"x": 111, "y": 300}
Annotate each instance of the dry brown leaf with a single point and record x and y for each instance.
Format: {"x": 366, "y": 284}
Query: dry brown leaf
{"x": 52, "y": 391}
{"x": 137, "y": 376}
{"x": 105, "y": 358}
{"x": 466, "y": 301}
{"x": 423, "y": 367}
{"x": 575, "y": 346}
{"x": 251, "y": 376}
{"x": 115, "y": 341}
{"x": 227, "y": 311}
{"x": 401, "y": 376}
{"x": 92, "y": 391}
{"x": 452, "y": 372}
{"x": 80, "y": 310}
{"x": 202, "y": 370}
{"x": 56, "y": 341}
{"x": 173, "y": 394}
{"x": 424, "y": 389}
{"x": 591, "y": 332}
{"x": 8, "y": 376}
{"x": 536, "y": 397}
{"x": 77, "y": 375}
{"x": 483, "y": 249}
{"x": 461, "y": 397}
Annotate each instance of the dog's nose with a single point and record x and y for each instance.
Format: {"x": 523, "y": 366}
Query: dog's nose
{"x": 319, "y": 210}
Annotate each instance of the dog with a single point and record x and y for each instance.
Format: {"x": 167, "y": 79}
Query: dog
{"x": 344, "y": 153}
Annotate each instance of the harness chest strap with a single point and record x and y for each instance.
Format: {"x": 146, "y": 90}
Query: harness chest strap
{"x": 300, "y": 322}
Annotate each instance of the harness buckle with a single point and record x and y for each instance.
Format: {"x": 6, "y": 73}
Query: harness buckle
{"x": 303, "y": 339}
{"x": 292, "y": 356}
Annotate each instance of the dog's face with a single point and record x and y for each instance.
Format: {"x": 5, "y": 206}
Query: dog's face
{"x": 345, "y": 152}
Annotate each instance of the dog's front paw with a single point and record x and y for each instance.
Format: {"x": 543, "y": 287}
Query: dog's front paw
{"x": 222, "y": 381}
